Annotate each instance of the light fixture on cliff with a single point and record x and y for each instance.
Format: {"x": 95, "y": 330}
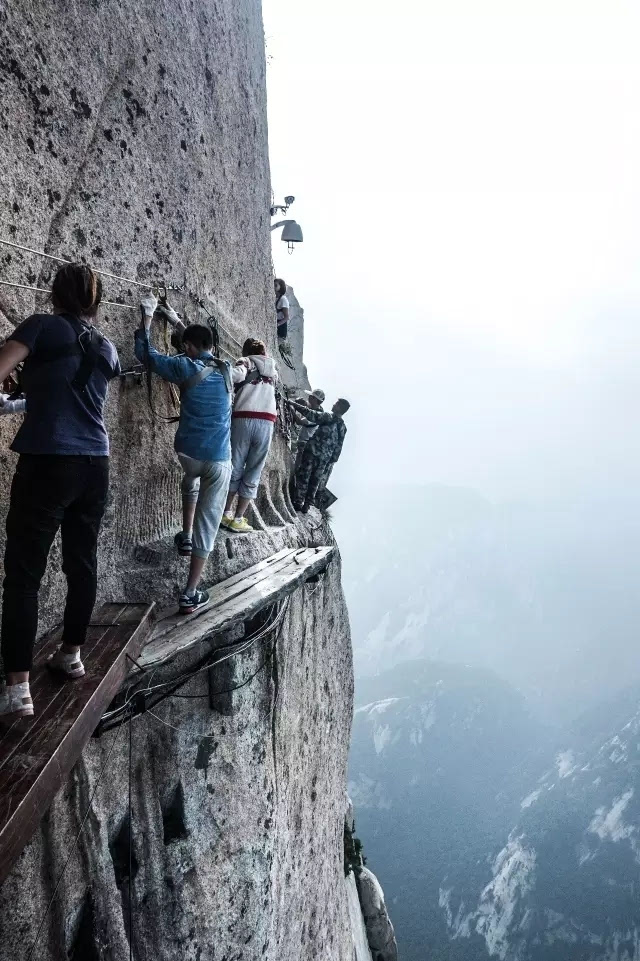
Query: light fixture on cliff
{"x": 291, "y": 233}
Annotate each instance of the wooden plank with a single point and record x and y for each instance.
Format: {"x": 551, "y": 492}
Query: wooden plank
{"x": 226, "y": 590}
{"x": 37, "y": 754}
{"x": 94, "y": 642}
{"x": 230, "y": 581}
{"x": 258, "y": 593}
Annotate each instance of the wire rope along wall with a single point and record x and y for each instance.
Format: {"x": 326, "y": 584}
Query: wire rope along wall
{"x": 182, "y": 288}
{"x": 159, "y": 692}
{"x": 63, "y": 260}
{"x": 45, "y": 290}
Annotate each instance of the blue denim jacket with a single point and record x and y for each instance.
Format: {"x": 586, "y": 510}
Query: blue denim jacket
{"x": 205, "y": 410}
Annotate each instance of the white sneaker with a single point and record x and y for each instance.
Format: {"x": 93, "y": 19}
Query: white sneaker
{"x": 16, "y": 699}
{"x": 68, "y": 664}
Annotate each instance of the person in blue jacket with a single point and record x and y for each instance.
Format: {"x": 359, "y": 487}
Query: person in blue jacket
{"x": 202, "y": 440}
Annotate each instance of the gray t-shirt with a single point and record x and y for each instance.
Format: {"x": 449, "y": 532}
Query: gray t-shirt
{"x": 60, "y": 417}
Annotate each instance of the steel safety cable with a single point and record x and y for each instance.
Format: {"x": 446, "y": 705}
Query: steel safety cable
{"x": 104, "y": 273}
{"x": 236, "y": 687}
{"x": 182, "y": 288}
{"x": 115, "y": 716}
{"x": 244, "y": 646}
{"x": 45, "y": 290}
{"x": 63, "y": 260}
{"x": 228, "y": 690}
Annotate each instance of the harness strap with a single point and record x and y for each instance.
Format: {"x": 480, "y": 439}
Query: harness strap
{"x": 87, "y": 346}
{"x": 211, "y": 366}
{"x": 253, "y": 378}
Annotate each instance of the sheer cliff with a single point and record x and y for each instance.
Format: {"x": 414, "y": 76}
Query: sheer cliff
{"x": 134, "y": 138}
{"x": 237, "y": 816}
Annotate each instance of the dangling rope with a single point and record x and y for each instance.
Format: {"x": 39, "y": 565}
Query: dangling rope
{"x": 286, "y": 356}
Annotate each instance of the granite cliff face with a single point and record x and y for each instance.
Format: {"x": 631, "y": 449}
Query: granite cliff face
{"x": 134, "y": 137}
{"x": 237, "y": 816}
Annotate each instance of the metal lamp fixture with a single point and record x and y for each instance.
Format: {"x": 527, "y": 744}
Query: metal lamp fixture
{"x": 291, "y": 232}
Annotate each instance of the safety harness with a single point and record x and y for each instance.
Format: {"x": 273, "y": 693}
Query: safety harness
{"x": 253, "y": 377}
{"x": 210, "y": 367}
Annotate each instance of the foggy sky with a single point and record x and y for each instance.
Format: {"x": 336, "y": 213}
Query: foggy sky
{"x": 466, "y": 176}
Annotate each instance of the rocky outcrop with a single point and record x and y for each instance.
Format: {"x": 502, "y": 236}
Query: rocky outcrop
{"x": 361, "y": 950}
{"x": 380, "y": 933}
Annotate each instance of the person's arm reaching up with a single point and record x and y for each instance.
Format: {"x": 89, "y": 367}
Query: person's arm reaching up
{"x": 301, "y": 422}
{"x": 173, "y": 369}
{"x": 313, "y": 416}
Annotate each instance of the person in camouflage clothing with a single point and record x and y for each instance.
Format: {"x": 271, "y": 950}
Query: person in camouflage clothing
{"x": 321, "y": 452}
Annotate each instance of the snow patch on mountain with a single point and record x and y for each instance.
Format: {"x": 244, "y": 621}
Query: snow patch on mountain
{"x": 459, "y": 924}
{"x": 378, "y": 707}
{"x": 500, "y": 909}
{"x": 381, "y": 737}
{"x": 364, "y": 791}
{"x": 378, "y": 634}
{"x": 565, "y": 763}
{"x": 530, "y": 799}
{"x": 609, "y": 824}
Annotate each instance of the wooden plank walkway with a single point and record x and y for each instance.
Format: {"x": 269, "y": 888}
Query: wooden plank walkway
{"x": 234, "y": 600}
{"x": 37, "y": 754}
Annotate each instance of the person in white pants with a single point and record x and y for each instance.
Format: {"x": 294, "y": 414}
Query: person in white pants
{"x": 254, "y": 414}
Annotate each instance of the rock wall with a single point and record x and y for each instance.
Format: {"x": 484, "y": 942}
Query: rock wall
{"x": 237, "y": 822}
{"x": 134, "y": 137}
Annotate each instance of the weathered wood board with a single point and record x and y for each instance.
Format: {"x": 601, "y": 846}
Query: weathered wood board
{"x": 234, "y": 600}
{"x": 37, "y": 754}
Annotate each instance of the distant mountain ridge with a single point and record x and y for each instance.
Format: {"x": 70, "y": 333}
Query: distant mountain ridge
{"x": 433, "y": 779}
{"x": 493, "y": 836}
{"x": 567, "y": 881}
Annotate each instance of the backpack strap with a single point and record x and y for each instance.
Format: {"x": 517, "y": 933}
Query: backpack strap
{"x": 215, "y": 364}
{"x": 88, "y": 347}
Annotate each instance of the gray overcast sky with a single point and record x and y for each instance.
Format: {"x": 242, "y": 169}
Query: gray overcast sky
{"x": 466, "y": 176}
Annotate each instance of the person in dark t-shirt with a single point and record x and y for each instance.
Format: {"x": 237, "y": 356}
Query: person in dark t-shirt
{"x": 62, "y": 476}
